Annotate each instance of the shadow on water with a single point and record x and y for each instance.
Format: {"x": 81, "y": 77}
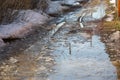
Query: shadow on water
{"x": 80, "y": 56}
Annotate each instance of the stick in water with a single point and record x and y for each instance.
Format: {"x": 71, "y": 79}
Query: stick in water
{"x": 69, "y": 48}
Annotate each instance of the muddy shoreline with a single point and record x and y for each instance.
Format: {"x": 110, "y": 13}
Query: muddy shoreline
{"x": 111, "y": 38}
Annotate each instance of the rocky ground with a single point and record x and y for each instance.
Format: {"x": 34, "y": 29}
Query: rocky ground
{"x": 113, "y": 45}
{"x": 111, "y": 38}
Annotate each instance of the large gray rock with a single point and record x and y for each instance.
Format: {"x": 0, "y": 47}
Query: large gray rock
{"x": 55, "y": 7}
{"x": 32, "y": 17}
{"x": 26, "y": 20}
{"x": 15, "y": 30}
{"x": 22, "y": 26}
{"x": 58, "y": 6}
{"x": 1, "y": 43}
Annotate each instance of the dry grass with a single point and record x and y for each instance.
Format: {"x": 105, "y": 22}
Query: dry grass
{"x": 8, "y": 6}
{"x": 15, "y": 4}
{"x": 112, "y": 25}
{"x": 93, "y": 3}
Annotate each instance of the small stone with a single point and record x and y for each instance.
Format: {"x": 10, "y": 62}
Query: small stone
{"x": 112, "y": 56}
{"x": 42, "y": 68}
{"x": 115, "y": 36}
{"x": 50, "y": 70}
{"x": 13, "y": 60}
{"x": 48, "y": 59}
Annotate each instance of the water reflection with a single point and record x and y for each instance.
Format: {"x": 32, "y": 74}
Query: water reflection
{"x": 80, "y": 56}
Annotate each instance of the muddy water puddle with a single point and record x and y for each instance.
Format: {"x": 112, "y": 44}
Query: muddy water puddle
{"x": 80, "y": 56}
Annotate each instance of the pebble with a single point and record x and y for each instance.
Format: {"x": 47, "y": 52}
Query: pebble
{"x": 13, "y": 60}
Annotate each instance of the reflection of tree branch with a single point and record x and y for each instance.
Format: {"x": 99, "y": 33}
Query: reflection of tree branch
{"x": 69, "y": 48}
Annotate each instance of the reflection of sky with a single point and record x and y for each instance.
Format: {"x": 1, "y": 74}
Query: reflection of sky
{"x": 81, "y": 50}
{"x": 84, "y": 62}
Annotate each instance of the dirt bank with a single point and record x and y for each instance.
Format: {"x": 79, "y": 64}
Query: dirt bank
{"x": 111, "y": 37}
